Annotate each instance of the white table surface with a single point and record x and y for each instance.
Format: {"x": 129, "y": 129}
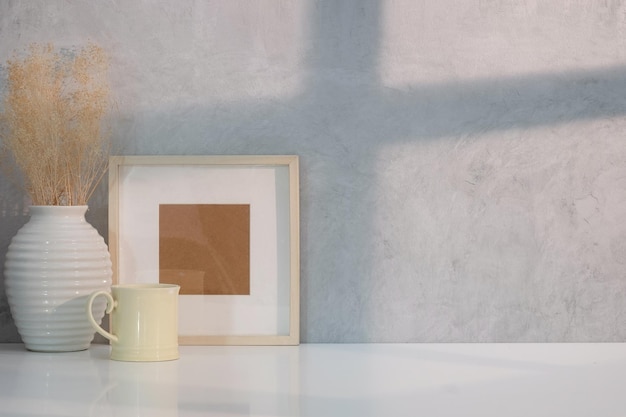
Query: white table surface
{"x": 383, "y": 380}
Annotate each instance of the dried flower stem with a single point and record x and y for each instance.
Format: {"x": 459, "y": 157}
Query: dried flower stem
{"x": 52, "y": 123}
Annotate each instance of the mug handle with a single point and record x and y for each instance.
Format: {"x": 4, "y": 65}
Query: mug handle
{"x": 111, "y": 304}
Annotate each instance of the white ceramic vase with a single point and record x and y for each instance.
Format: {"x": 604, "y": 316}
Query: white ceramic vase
{"x": 54, "y": 262}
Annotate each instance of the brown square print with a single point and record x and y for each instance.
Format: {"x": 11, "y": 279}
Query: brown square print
{"x": 205, "y": 248}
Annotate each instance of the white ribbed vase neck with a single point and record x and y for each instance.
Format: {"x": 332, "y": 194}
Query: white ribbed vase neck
{"x": 59, "y": 212}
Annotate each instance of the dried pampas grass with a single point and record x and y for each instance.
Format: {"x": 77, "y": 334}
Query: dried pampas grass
{"x": 52, "y": 124}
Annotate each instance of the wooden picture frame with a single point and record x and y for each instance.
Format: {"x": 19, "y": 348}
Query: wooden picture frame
{"x": 198, "y": 220}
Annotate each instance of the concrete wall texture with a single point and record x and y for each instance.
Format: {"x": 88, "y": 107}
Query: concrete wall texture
{"x": 463, "y": 163}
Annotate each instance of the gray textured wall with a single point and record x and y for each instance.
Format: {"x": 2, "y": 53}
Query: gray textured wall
{"x": 463, "y": 167}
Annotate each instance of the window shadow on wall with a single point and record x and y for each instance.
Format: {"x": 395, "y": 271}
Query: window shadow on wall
{"x": 338, "y": 125}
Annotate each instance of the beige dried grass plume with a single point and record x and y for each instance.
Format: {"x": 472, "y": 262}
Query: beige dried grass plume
{"x": 52, "y": 124}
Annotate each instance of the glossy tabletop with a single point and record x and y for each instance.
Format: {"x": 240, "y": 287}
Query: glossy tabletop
{"x": 322, "y": 380}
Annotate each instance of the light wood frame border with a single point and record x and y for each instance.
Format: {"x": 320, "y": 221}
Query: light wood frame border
{"x": 292, "y": 162}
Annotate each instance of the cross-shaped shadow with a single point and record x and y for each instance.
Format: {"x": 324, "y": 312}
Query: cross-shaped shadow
{"x": 348, "y": 116}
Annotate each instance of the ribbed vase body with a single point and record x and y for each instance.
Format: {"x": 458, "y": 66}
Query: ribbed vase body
{"x": 53, "y": 264}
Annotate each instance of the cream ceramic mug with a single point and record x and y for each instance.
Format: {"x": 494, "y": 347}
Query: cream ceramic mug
{"x": 144, "y": 321}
